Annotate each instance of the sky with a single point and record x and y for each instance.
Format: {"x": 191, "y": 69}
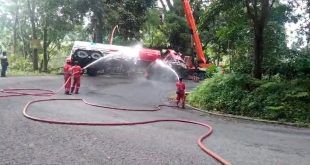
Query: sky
{"x": 291, "y": 28}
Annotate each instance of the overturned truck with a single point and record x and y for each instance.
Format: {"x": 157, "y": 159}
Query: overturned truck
{"x": 113, "y": 59}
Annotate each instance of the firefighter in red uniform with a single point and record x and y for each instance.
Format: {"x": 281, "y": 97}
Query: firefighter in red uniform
{"x": 76, "y": 71}
{"x": 180, "y": 92}
{"x": 67, "y": 75}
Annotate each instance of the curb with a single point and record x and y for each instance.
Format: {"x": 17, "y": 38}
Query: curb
{"x": 249, "y": 118}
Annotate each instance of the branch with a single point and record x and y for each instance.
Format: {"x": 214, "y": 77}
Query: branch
{"x": 249, "y": 9}
{"x": 271, "y": 5}
{"x": 170, "y": 6}
{"x": 163, "y": 4}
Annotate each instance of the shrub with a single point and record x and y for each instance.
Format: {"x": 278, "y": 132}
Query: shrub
{"x": 221, "y": 93}
{"x": 19, "y": 63}
{"x": 274, "y": 99}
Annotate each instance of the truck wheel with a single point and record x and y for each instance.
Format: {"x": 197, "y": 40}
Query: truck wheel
{"x": 92, "y": 72}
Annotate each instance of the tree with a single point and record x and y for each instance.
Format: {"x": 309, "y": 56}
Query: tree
{"x": 175, "y": 27}
{"x": 153, "y": 37}
{"x": 258, "y": 12}
{"x": 226, "y": 32}
{"x": 54, "y": 25}
{"x": 105, "y": 14}
{"x": 226, "y": 24}
{"x": 32, "y": 8}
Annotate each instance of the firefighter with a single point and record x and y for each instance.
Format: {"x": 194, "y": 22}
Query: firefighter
{"x": 76, "y": 71}
{"x": 180, "y": 92}
{"x": 4, "y": 64}
{"x": 67, "y": 75}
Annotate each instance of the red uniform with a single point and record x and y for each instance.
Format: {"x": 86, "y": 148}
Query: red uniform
{"x": 67, "y": 76}
{"x": 77, "y": 71}
{"x": 180, "y": 93}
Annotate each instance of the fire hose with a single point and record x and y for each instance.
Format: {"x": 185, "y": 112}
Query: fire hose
{"x": 43, "y": 92}
{"x": 10, "y": 92}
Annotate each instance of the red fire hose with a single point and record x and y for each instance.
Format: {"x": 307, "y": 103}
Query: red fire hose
{"x": 10, "y": 92}
{"x": 43, "y": 92}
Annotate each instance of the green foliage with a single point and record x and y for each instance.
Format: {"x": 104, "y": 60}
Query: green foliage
{"x": 19, "y": 63}
{"x": 153, "y": 36}
{"x": 276, "y": 51}
{"x": 228, "y": 34}
{"x": 274, "y": 99}
{"x": 295, "y": 64}
{"x": 241, "y": 63}
{"x": 279, "y": 100}
{"x": 60, "y": 21}
{"x": 175, "y": 27}
{"x": 221, "y": 93}
{"x": 211, "y": 71}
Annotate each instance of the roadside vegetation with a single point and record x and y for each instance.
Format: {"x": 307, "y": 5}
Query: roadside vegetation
{"x": 272, "y": 99}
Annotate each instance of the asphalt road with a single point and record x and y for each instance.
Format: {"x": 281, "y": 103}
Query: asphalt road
{"x": 23, "y": 141}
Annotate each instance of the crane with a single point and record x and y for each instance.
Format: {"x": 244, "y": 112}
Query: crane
{"x": 193, "y": 29}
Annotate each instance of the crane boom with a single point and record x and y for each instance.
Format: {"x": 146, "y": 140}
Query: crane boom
{"x": 193, "y": 28}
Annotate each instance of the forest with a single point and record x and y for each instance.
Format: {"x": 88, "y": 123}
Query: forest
{"x": 262, "y": 45}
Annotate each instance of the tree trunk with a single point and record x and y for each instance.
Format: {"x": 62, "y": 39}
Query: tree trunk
{"x": 308, "y": 30}
{"x": 34, "y": 34}
{"x": 21, "y": 36}
{"x": 258, "y": 12}
{"x": 98, "y": 32}
{"x": 15, "y": 28}
{"x": 258, "y": 52}
{"x": 45, "y": 46}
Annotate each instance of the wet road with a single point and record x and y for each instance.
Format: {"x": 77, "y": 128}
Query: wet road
{"x": 28, "y": 142}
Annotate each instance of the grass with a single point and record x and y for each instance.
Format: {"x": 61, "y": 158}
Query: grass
{"x": 16, "y": 73}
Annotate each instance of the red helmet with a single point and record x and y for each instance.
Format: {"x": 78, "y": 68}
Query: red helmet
{"x": 68, "y": 60}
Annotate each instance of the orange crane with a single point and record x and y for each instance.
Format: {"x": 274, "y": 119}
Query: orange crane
{"x": 203, "y": 62}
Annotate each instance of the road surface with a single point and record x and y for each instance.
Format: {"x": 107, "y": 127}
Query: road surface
{"x": 28, "y": 142}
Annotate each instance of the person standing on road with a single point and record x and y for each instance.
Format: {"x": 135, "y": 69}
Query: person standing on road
{"x": 4, "y": 64}
{"x": 67, "y": 75}
{"x": 180, "y": 92}
{"x": 76, "y": 71}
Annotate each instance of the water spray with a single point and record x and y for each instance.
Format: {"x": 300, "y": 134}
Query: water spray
{"x": 92, "y": 63}
{"x": 100, "y": 59}
{"x": 127, "y": 53}
{"x": 162, "y": 64}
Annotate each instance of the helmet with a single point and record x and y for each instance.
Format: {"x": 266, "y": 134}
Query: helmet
{"x": 68, "y": 60}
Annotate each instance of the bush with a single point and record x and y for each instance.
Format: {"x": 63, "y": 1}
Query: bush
{"x": 274, "y": 99}
{"x": 19, "y": 63}
{"x": 221, "y": 93}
